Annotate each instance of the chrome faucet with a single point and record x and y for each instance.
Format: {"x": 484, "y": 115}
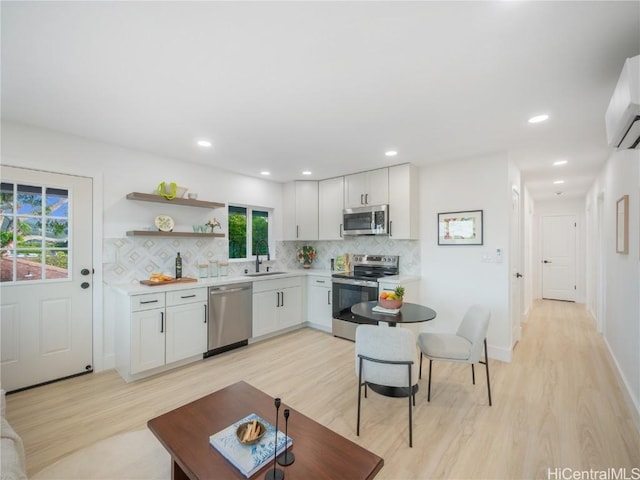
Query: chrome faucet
{"x": 258, "y": 262}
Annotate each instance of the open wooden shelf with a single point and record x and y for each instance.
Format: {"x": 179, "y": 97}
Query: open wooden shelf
{"x": 150, "y": 197}
{"x": 154, "y": 233}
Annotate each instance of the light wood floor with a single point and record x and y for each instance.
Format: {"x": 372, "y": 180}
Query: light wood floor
{"x": 556, "y": 405}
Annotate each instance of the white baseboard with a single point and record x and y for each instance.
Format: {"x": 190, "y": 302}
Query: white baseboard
{"x": 499, "y": 353}
{"x": 632, "y": 401}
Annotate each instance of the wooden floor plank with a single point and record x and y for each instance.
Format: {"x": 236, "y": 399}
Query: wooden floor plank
{"x": 558, "y": 404}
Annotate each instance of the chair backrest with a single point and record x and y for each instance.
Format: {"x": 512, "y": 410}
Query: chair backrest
{"x": 474, "y": 327}
{"x": 395, "y": 344}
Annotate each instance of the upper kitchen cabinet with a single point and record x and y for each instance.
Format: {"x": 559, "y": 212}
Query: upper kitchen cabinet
{"x": 404, "y": 202}
{"x": 300, "y": 211}
{"x": 331, "y": 196}
{"x": 366, "y": 188}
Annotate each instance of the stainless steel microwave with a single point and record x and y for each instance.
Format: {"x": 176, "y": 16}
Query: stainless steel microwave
{"x": 373, "y": 220}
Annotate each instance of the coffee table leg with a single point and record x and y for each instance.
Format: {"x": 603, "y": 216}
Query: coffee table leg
{"x": 176, "y": 472}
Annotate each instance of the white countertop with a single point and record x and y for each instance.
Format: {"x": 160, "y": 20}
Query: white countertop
{"x": 138, "y": 289}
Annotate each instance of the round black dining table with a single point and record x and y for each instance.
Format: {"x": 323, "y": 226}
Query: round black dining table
{"x": 409, "y": 313}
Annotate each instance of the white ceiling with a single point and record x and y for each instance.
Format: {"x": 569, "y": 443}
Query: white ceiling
{"x": 326, "y": 86}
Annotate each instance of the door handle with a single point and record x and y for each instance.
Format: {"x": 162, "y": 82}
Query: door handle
{"x": 282, "y": 303}
{"x": 205, "y": 313}
{"x": 362, "y": 199}
{"x": 161, "y": 322}
{"x": 278, "y": 299}
{"x": 518, "y": 275}
{"x": 341, "y": 231}
{"x": 329, "y": 297}
{"x": 84, "y": 285}
{"x": 366, "y": 199}
{"x": 546, "y": 261}
{"x": 85, "y": 271}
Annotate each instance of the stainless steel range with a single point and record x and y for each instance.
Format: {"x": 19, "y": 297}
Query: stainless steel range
{"x": 359, "y": 285}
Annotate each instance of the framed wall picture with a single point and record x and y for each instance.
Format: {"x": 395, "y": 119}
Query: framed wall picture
{"x": 460, "y": 228}
{"x": 622, "y": 225}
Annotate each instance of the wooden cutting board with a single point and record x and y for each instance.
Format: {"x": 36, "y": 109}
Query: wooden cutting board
{"x": 169, "y": 282}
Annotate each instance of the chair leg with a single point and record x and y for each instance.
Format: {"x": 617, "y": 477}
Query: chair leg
{"x": 420, "y": 371}
{"x": 429, "y": 384}
{"x": 486, "y": 364}
{"x": 473, "y": 374}
{"x": 410, "y": 410}
{"x": 359, "y": 395}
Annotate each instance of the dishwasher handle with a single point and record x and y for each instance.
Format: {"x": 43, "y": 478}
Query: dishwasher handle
{"x": 220, "y": 291}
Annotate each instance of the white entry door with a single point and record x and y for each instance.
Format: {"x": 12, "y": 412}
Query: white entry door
{"x": 46, "y": 276}
{"x": 559, "y": 257}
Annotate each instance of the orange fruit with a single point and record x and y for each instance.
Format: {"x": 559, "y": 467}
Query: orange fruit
{"x": 384, "y": 295}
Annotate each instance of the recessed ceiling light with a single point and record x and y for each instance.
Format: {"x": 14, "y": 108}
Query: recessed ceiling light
{"x": 204, "y": 143}
{"x": 391, "y": 153}
{"x": 559, "y": 162}
{"x": 306, "y": 172}
{"x": 538, "y": 118}
{"x": 558, "y": 182}
{"x": 264, "y": 172}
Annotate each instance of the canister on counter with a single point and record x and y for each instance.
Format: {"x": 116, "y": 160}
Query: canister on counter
{"x": 213, "y": 268}
{"x": 223, "y": 269}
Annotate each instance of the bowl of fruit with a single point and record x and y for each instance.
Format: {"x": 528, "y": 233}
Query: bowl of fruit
{"x": 391, "y": 299}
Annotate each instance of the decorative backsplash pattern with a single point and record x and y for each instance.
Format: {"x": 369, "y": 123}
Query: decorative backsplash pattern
{"x": 130, "y": 259}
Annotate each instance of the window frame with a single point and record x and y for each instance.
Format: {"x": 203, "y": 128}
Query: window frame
{"x": 249, "y": 226}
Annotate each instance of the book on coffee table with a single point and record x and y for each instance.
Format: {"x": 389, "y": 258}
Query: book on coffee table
{"x": 249, "y": 458}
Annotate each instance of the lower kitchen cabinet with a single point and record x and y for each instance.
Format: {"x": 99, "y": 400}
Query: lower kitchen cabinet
{"x": 158, "y": 331}
{"x": 277, "y": 304}
{"x": 186, "y": 324}
{"x": 319, "y": 312}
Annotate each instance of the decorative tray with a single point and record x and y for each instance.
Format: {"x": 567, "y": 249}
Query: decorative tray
{"x": 168, "y": 282}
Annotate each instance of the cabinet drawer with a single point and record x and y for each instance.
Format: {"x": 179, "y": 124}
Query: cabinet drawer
{"x": 180, "y": 297}
{"x": 280, "y": 283}
{"x": 147, "y": 301}
{"x": 320, "y": 281}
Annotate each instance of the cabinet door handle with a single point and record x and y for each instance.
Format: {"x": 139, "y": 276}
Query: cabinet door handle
{"x": 329, "y": 297}
{"x": 341, "y": 231}
{"x": 366, "y": 199}
{"x": 297, "y": 231}
{"x": 390, "y": 224}
{"x": 188, "y": 296}
{"x": 205, "y": 313}
{"x": 148, "y": 301}
{"x": 362, "y": 199}
{"x": 161, "y": 322}
{"x": 282, "y": 302}
{"x": 277, "y": 299}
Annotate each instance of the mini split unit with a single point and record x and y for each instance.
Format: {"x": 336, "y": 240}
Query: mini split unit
{"x": 623, "y": 114}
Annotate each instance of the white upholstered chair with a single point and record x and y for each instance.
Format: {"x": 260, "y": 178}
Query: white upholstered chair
{"x": 387, "y": 357}
{"x": 465, "y": 346}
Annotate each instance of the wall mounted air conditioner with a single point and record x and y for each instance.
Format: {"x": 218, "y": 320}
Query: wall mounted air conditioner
{"x": 623, "y": 115}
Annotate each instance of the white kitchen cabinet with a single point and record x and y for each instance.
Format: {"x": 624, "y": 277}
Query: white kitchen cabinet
{"x": 186, "y": 331}
{"x": 157, "y": 331}
{"x": 147, "y": 340}
{"x": 404, "y": 202}
{"x": 367, "y": 188}
{"x": 300, "y": 211}
{"x": 331, "y": 204}
{"x": 277, "y": 304}
{"x": 319, "y": 310}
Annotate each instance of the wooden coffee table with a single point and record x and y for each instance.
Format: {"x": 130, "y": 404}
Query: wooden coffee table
{"x": 319, "y": 452}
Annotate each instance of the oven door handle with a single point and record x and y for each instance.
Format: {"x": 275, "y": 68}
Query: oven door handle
{"x": 359, "y": 283}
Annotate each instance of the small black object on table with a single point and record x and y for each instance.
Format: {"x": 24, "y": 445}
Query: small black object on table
{"x": 409, "y": 313}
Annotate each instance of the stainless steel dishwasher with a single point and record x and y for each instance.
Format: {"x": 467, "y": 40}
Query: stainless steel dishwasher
{"x": 230, "y": 317}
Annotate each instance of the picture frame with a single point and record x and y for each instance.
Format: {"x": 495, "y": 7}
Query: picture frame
{"x": 622, "y": 225}
{"x": 460, "y": 228}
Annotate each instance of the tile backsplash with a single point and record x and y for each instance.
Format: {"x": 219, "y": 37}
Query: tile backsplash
{"x": 130, "y": 259}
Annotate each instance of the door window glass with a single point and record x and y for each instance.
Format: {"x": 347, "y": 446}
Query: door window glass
{"x": 34, "y": 232}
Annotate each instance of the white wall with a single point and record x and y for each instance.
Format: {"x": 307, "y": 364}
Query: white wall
{"x": 454, "y": 277}
{"x": 619, "y": 281}
{"x": 559, "y": 206}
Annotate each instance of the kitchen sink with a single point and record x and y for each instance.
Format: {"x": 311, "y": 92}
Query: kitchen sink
{"x": 263, "y": 274}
